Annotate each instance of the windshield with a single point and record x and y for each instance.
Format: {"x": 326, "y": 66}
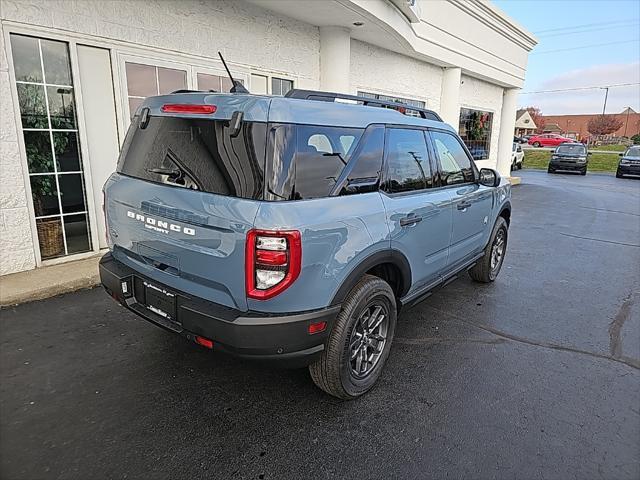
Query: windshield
{"x": 573, "y": 149}
{"x": 197, "y": 154}
{"x": 633, "y": 152}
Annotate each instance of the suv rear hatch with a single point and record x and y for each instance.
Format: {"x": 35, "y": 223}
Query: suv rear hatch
{"x": 184, "y": 196}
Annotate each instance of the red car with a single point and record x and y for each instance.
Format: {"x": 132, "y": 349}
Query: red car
{"x": 548, "y": 140}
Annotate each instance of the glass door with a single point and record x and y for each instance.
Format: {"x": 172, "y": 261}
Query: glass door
{"x": 46, "y": 98}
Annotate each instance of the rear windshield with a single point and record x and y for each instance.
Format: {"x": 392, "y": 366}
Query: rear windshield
{"x": 197, "y": 154}
{"x": 574, "y": 149}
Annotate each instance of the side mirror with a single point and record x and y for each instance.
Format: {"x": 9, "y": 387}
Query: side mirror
{"x": 489, "y": 177}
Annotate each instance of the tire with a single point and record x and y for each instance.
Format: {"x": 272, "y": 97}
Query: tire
{"x": 536, "y": 144}
{"x": 550, "y": 170}
{"x": 482, "y": 271}
{"x": 583, "y": 172}
{"x": 618, "y": 174}
{"x": 334, "y": 372}
{"x": 519, "y": 166}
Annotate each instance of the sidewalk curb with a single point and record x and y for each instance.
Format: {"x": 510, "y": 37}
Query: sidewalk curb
{"x": 49, "y": 281}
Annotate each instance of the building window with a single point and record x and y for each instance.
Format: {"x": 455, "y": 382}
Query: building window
{"x": 148, "y": 80}
{"x": 406, "y": 101}
{"x": 475, "y": 131}
{"x": 280, "y": 86}
{"x": 217, "y": 83}
{"x": 49, "y": 124}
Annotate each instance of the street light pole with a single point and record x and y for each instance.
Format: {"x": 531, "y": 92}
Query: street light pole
{"x": 606, "y": 94}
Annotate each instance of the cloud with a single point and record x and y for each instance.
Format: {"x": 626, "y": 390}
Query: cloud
{"x": 588, "y": 101}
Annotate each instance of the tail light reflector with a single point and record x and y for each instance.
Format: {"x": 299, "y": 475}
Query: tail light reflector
{"x": 272, "y": 262}
{"x": 205, "y": 342}
{"x": 188, "y": 108}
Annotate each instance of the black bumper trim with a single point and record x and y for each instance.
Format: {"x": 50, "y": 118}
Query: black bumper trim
{"x": 251, "y": 334}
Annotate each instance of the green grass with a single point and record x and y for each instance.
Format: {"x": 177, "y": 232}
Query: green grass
{"x": 609, "y": 148}
{"x": 598, "y": 162}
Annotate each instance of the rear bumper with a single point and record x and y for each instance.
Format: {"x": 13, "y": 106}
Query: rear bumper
{"x": 282, "y": 338}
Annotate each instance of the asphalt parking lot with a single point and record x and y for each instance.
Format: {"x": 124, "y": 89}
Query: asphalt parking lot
{"x": 535, "y": 376}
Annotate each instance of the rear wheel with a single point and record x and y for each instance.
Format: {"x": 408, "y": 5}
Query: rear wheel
{"x": 360, "y": 340}
{"x": 488, "y": 267}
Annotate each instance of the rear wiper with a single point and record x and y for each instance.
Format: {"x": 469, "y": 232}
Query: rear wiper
{"x": 172, "y": 172}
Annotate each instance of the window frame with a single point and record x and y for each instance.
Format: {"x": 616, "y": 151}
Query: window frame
{"x": 486, "y": 143}
{"x": 384, "y": 174}
{"x": 474, "y": 167}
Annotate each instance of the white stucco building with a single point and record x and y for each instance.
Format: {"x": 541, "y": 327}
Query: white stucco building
{"x": 72, "y": 71}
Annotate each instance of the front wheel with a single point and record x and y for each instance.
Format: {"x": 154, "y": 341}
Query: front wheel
{"x": 488, "y": 267}
{"x": 583, "y": 172}
{"x": 536, "y": 144}
{"x": 360, "y": 340}
{"x": 618, "y": 174}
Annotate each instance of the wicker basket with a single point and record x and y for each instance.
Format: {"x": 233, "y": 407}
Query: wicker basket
{"x": 50, "y": 237}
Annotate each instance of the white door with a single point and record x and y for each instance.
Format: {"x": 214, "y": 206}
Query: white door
{"x": 96, "y": 83}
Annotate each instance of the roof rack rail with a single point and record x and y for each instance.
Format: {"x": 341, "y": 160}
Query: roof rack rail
{"x": 370, "y": 102}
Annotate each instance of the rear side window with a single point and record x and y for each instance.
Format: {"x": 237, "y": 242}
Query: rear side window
{"x": 197, "y": 154}
{"x": 407, "y": 161}
{"x": 306, "y": 161}
{"x": 455, "y": 164}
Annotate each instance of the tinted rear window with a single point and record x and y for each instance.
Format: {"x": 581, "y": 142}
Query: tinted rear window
{"x": 305, "y": 161}
{"x": 197, "y": 154}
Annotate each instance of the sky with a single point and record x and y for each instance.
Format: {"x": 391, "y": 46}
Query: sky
{"x": 581, "y": 43}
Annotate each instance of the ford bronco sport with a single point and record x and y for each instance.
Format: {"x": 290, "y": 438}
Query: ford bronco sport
{"x": 294, "y": 228}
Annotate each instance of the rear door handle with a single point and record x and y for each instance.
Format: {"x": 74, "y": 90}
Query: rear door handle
{"x": 464, "y": 205}
{"x": 411, "y": 220}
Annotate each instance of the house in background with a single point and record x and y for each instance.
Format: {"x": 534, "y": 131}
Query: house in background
{"x": 524, "y": 123}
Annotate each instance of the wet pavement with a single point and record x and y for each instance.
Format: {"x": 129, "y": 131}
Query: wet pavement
{"x": 534, "y": 376}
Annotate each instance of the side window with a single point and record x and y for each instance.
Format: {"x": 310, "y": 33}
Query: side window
{"x": 407, "y": 161}
{"x": 455, "y": 164}
{"x": 363, "y": 172}
{"x": 321, "y": 155}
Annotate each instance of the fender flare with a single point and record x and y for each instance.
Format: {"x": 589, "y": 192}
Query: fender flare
{"x": 394, "y": 257}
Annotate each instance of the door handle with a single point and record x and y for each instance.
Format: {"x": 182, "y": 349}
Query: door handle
{"x": 411, "y": 220}
{"x": 464, "y": 205}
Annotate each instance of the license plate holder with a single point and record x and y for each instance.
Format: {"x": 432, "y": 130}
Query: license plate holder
{"x": 160, "y": 301}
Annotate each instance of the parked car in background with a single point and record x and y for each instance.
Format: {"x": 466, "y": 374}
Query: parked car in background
{"x": 548, "y": 140}
{"x": 522, "y": 139}
{"x": 570, "y": 156}
{"x": 478, "y": 152}
{"x": 517, "y": 157}
{"x": 629, "y": 164}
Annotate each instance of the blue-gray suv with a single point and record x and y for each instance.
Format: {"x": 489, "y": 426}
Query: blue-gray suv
{"x": 295, "y": 228}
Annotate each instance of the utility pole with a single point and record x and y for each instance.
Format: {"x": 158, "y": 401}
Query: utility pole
{"x": 626, "y": 124}
{"x": 606, "y": 94}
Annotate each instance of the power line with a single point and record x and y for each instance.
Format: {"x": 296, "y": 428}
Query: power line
{"x": 582, "y": 88}
{"x": 599, "y": 24}
{"x": 635, "y": 40}
{"x": 586, "y": 30}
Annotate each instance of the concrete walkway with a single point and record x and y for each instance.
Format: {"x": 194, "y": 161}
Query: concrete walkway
{"x": 49, "y": 281}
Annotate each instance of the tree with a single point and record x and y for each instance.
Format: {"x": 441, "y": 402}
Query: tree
{"x": 538, "y": 119}
{"x": 603, "y": 125}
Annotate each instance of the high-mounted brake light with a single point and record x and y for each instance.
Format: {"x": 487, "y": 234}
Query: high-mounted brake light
{"x": 188, "y": 108}
{"x": 272, "y": 262}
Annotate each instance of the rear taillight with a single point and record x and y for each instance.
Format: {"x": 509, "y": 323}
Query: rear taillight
{"x": 188, "y": 108}
{"x": 272, "y": 262}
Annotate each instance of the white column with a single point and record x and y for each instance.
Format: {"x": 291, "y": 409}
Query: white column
{"x": 335, "y": 59}
{"x": 450, "y": 96}
{"x": 507, "y": 126}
